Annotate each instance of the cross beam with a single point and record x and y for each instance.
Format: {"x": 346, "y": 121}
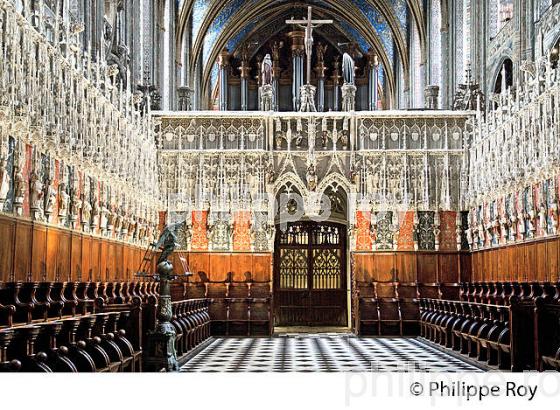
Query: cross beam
{"x": 309, "y": 25}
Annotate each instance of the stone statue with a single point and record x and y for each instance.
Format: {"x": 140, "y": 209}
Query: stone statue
{"x": 75, "y": 207}
{"x": 86, "y": 213}
{"x": 4, "y": 182}
{"x": 542, "y": 219}
{"x": 50, "y": 201}
{"x": 321, "y": 50}
{"x": 63, "y": 201}
{"x": 95, "y": 214}
{"x": 311, "y": 178}
{"x": 348, "y": 69}
{"x": 104, "y": 217}
{"x": 36, "y": 195}
{"x": 267, "y": 70}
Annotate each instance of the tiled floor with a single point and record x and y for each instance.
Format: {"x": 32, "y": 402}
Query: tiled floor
{"x": 322, "y": 353}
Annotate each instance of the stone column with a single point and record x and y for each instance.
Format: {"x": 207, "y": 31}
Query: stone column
{"x": 320, "y": 71}
{"x": 373, "y": 79}
{"x": 431, "y": 94}
{"x": 335, "y": 78}
{"x": 245, "y": 71}
{"x": 276, "y": 73}
{"x": 298, "y": 55}
{"x": 223, "y": 64}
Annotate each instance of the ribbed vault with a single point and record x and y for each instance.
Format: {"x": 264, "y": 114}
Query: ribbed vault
{"x": 259, "y": 13}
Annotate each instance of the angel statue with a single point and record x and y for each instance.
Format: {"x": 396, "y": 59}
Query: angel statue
{"x": 167, "y": 241}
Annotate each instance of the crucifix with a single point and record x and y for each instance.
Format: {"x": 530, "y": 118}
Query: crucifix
{"x": 309, "y": 25}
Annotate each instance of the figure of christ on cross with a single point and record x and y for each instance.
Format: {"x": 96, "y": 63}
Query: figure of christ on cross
{"x": 309, "y": 25}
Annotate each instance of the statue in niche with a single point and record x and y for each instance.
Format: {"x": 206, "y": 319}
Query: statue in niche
{"x": 270, "y": 175}
{"x": 63, "y": 201}
{"x": 266, "y": 70}
{"x": 95, "y": 214}
{"x": 348, "y": 68}
{"x": 86, "y": 213}
{"x": 4, "y": 181}
{"x": 521, "y": 223}
{"x": 117, "y": 220}
{"x": 75, "y": 206}
{"x": 553, "y": 209}
{"x": 104, "y": 217}
{"x": 36, "y": 195}
{"x": 50, "y": 201}
{"x": 324, "y": 139}
{"x": 253, "y": 186}
{"x": 311, "y": 178}
{"x": 321, "y": 50}
{"x": 542, "y": 219}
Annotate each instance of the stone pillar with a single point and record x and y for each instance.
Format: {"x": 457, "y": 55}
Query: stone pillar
{"x": 245, "y": 71}
{"x": 348, "y": 97}
{"x": 223, "y": 64}
{"x": 184, "y": 102}
{"x": 431, "y": 95}
{"x": 335, "y": 78}
{"x": 373, "y": 79}
{"x": 276, "y": 73}
{"x": 298, "y": 55}
{"x": 320, "y": 72}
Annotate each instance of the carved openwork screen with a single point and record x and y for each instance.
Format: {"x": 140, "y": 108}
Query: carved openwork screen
{"x": 310, "y": 274}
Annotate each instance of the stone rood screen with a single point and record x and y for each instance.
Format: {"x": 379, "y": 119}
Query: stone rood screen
{"x": 274, "y": 165}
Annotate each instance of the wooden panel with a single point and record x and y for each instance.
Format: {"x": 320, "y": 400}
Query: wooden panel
{"x": 537, "y": 260}
{"x": 111, "y": 264}
{"x": 405, "y": 265}
{"x": 466, "y": 267}
{"x": 363, "y": 266}
{"x": 219, "y": 266}
{"x": 119, "y": 268}
{"x": 95, "y": 255}
{"x": 383, "y": 264}
{"x": 103, "y": 265}
{"x": 53, "y": 242}
{"x": 63, "y": 261}
{"x": 199, "y": 262}
{"x": 86, "y": 256}
{"x": 39, "y": 253}
{"x": 427, "y": 268}
{"x": 537, "y": 257}
{"x": 23, "y": 246}
{"x": 241, "y": 263}
{"x": 76, "y": 265}
{"x": 262, "y": 267}
{"x": 552, "y": 250}
{"x": 448, "y": 268}
{"x": 7, "y": 231}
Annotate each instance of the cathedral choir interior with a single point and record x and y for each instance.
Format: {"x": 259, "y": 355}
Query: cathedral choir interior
{"x": 201, "y": 186}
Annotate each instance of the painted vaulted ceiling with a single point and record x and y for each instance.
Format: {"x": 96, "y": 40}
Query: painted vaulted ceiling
{"x": 381, "y": 25}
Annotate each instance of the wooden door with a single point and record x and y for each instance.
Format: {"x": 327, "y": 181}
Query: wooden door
{"x": 310, "y": 275}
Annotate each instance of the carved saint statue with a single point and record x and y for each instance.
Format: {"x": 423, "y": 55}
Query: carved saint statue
{"x": 63, "y": 200}
{"x": 36, "y": 195}
{"x": 267, "y": 70}
{"x": 311, "y": 178}
{"x": 348, "y": 69}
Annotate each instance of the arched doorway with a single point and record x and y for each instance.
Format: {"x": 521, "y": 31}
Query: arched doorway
{"x": 310, "y": 274}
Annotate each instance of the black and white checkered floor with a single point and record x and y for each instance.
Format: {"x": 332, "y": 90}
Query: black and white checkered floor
{"x": 322, "y": 353}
